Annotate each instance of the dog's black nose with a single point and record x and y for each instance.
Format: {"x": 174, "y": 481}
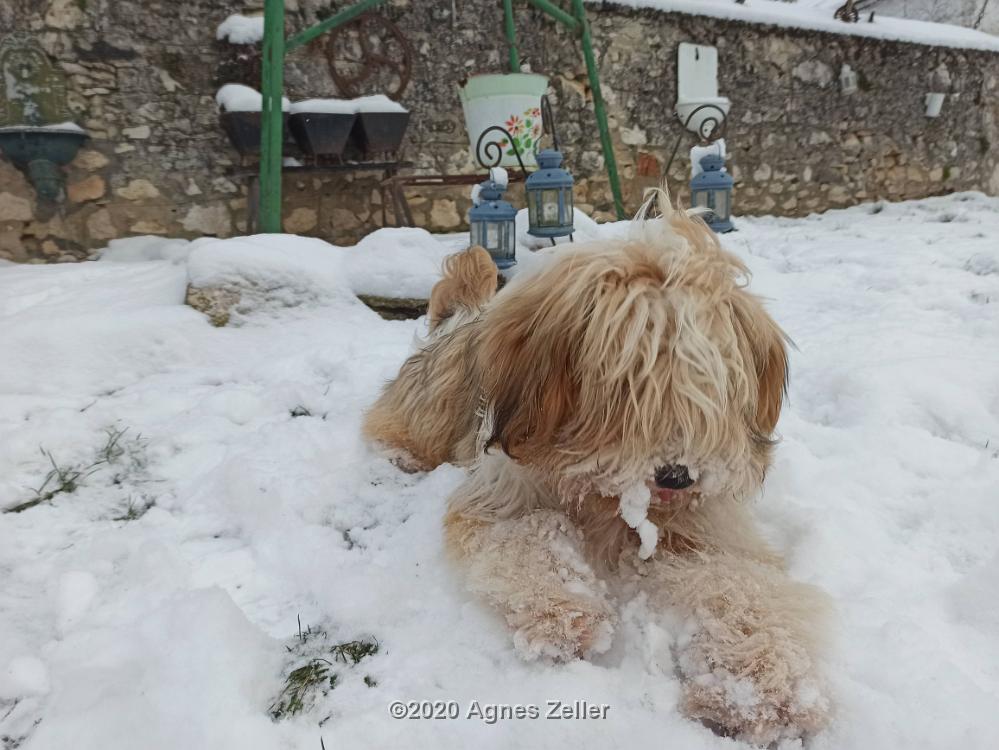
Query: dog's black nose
{"x": 673, "y": 477}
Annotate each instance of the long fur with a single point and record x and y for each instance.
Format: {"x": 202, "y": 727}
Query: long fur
{"x": 574, "y": 384}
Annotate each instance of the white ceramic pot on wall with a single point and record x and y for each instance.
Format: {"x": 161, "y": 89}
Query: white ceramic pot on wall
{"x": 511, "y": 101}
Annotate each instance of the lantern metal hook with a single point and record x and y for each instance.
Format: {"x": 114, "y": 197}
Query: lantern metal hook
{"x": 548, "y": 124}
{"x": 490, "y": 154}
{"x": 717, "y": 130}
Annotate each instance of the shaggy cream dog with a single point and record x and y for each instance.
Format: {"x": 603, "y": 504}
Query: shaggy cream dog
{"x": 637, "y": 368}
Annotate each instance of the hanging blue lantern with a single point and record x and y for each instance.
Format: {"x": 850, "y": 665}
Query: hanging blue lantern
{"x": 712, "y": 189}
{"x": 492, "y": 223}
{"x": 549, "y": 197}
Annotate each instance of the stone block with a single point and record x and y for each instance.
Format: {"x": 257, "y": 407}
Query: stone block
{"x": 89, "y": 189}
{"x": 100, "y": 226}
{"x": 212, "y": 220}
{"x": 301, "y": 220}
{"x": 90, "y": 160}
{"x": 15, "y": 208}
{"x": 138, "y": 190}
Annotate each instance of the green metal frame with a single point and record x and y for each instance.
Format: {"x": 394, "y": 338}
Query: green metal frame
{"x": 577, "y": 23}
{"x": 272, "y": 84}
{"x": 272, "y": 90}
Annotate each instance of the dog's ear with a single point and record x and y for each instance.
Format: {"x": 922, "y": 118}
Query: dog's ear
{"x": 526, "y": 361}
{"x": 771, "y": 376}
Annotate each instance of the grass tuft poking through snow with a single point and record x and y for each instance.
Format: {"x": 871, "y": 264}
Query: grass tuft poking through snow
{"x": 125, "y": 459}
{"x": 66, "y": 479}
{"x": 307, "y": 682}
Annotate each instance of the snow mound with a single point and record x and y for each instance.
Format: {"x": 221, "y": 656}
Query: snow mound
{"x": 586, "y": 229}
{"x": 270, "y": 272}
{"x": 396, "y": 262}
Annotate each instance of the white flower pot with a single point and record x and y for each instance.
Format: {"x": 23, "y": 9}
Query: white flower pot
{"x": 513, "y": 102}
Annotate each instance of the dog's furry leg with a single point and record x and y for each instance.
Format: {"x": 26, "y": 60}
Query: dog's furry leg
{"x": 532, "y": 569}
{"x": 528, "y": 562}
{"x": 748, "y": 657}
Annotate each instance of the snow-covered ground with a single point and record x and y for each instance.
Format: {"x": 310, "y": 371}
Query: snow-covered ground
{"x": 158, "y": 605}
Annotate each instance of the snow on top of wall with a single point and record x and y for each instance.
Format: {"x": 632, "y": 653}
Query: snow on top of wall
{"x": 817, "y": 17}
{"x": 237, "y": 29}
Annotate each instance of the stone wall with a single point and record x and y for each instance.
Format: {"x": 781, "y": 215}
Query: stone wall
{"x": 141, "y": 77}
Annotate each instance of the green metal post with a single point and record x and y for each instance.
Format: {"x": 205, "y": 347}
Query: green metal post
{"x": 556, "y": 12}
{"x": 511, "y": 36}
{"x": 271, "y": 117}
{"x": 598, "y": 106}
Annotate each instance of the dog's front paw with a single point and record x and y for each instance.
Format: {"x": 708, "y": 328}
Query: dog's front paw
{"x": 768, "y": 698}
{"x": 569, "y": 630}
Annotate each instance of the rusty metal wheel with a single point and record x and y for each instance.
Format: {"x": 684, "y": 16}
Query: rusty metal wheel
{"x": 370, "y": 55}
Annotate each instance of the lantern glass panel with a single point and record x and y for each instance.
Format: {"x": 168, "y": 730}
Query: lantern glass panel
{"x": 721, "y": 207}
{"x": 700, "y": 198}
{"x": 493, "y": 229}
{"x": 567, "y": 218}
{"x": 476, "y": 233}
{"x": 507, "y": 246}
{"x": 532, "y": 208}
{"x": 549, "y": 208}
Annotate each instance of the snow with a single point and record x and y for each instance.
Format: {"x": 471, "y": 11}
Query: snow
{"x": 146, "y": 247}
{"x": 819, "y": 17}
{"x": 69, "y": 126}
{"x": 377, "y": 103}
{"x": 235, "y": 97}
{"x": 585, "y": 229}
{"x": 373, "y": 103}
{"x": 500, "y": 176}
{"x": 699, "y": 152}
{"x": 325, "y": 106}
{"x": 239, "y": 29}
{"x": 173, "y": 622}
{"x": 634, "y": 506}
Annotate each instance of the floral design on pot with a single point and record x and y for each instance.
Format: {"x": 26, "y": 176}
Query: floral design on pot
{"x": 525, "y": 129}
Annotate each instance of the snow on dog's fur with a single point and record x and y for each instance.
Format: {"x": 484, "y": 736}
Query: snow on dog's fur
{"x": 623, "y": 363}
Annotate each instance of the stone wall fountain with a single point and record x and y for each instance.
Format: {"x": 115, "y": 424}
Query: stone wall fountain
{"x": 36, "y": 133}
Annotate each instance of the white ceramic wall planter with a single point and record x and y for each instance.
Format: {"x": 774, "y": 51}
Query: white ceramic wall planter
{"x": 513, "y": 102}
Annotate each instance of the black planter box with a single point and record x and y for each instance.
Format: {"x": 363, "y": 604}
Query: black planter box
{"x": 379, "y": 132}
{"x": 243, "y": 129}
{"x": 321, "y": 133}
